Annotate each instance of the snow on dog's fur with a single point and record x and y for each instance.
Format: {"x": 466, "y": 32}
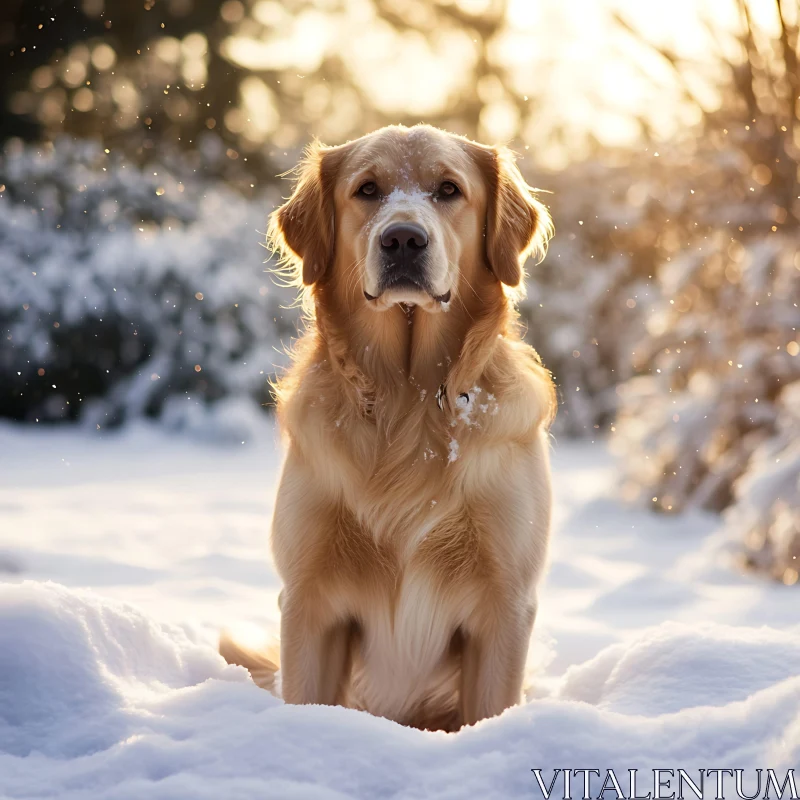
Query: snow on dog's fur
{"x": 411, "y": 534}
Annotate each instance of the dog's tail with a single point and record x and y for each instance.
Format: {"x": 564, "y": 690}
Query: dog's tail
{"x": 262, "y": 665}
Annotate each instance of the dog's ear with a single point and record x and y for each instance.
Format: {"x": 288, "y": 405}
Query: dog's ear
{"x": 517, "y": 224}
{"x": 302, "y": 229}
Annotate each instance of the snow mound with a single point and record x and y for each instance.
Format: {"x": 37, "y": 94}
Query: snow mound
{"x": 98, "y": 701}
{"x": 675, "y": 667}
{"x": 74, "y": 669}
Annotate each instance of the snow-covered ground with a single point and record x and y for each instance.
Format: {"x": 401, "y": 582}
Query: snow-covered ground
{"x": 650, "y": 650}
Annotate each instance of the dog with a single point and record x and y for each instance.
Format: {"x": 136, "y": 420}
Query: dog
{"x": 412, "y": 517}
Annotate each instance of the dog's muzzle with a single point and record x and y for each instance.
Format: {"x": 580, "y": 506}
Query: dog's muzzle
{"x": 404, "y": 255}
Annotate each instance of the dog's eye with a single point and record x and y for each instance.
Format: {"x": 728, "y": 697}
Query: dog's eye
{"x": 448, "y": 190}
{"x": 368, "y": 189}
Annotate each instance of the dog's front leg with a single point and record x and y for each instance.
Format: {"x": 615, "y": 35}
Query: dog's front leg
{"x": 315, "y": 653}
{"x": 493, "y": 662}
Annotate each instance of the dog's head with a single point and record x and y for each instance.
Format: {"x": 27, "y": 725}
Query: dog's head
{"x": 409, "y": 215}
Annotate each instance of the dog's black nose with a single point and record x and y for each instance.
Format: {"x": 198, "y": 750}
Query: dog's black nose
{"x": 404, "y": 236}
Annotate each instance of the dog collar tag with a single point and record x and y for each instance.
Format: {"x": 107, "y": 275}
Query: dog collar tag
{"x": 440, "y": 396}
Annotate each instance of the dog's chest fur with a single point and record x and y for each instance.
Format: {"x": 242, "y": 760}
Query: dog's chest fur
{"x": 405, "y": 552}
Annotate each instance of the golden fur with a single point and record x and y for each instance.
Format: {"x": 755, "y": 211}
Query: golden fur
{"x": 410, "y": 538}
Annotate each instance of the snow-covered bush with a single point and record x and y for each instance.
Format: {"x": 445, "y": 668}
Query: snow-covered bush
{"x": 710, "y": 415}
{"x": 717, "y": 364}
{"x": 667, "y": 309}
{"x": 586, "y": 302}
{"x": 766, "y": 511}
{"x": 123, "y": 288}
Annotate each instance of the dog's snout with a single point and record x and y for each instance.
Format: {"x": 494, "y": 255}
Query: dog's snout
{"x": 404, "y": 236}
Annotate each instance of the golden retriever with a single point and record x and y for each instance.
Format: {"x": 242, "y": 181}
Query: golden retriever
{"x": 412, "y": 517}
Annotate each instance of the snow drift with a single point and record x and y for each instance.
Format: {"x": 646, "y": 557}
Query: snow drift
{"x": 99, "y": 701}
